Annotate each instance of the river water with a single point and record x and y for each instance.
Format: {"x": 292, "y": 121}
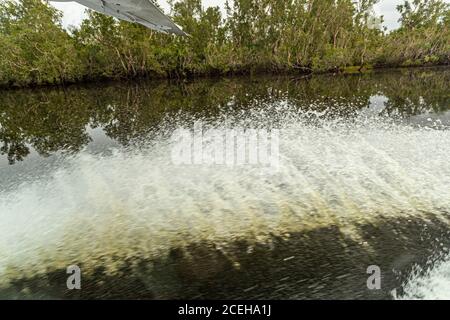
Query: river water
{"x": 361, "y": 178}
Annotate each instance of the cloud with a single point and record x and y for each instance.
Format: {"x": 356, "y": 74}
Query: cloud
{"x": 388, "y": 9}
{"x": 73, "y": 13}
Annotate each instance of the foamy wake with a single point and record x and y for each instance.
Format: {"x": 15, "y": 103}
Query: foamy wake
{"x": 430, "y": 284}
{"x": 102, "y": 209}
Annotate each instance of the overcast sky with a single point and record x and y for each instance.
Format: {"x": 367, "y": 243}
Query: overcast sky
{"x": 74, "y": 12}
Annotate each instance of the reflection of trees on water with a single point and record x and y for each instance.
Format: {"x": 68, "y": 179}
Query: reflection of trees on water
{"x": 47, "y": 120}
{"x": 53, "y": 120}
{"x": 415, "y": 93}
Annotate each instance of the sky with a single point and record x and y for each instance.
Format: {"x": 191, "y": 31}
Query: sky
{"x": 74, "y": 12}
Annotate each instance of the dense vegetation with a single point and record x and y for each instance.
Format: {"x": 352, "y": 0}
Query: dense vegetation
{"x": 255, "y": 35}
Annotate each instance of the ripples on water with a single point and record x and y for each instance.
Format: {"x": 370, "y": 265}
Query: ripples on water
{"x": 364, "y": 179}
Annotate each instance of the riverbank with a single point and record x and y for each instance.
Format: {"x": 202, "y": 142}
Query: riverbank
{"x": 354, "y": 70}
{"x": 300, "y": 37}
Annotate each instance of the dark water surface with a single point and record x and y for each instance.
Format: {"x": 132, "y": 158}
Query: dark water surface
{"x": 87, "y": 178}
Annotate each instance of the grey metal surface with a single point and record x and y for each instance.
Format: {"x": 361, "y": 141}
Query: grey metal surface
{"x": 144, "y": 12}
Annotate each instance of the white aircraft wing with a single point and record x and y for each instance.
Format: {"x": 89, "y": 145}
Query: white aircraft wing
{"x": 144, "y": 12}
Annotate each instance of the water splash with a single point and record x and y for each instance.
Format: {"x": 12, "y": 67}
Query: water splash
{"x": 103, "y": 209}
{"x": 429, "y": 283}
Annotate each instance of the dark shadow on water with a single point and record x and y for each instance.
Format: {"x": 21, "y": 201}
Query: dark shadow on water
{"x": 319, "y": 264}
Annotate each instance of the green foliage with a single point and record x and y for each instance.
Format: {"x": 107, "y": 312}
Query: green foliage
{"x": 253, "y": 36}
{"x": 35, "y": 48}
{"x": 424, "y": 35}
